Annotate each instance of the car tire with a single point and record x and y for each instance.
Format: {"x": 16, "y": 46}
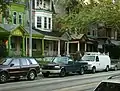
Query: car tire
{"x": 81, "y": 72}
{"x": 31, "y": 75}
{"x": 45, "y": 74}
{"x": 107, "y": 69}
{"x": 93, "y": 70}
{"x": 3, "y": 77}
{"x": 62, "y": 73}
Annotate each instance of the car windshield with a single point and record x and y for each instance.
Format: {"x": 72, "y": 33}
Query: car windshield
{"x": 88, "y": 58}
{"x": 60, "y": 60}
{"x": 108, "y": 86}
{"x": 5, "y": 61}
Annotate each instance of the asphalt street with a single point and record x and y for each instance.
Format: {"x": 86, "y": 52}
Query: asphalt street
{"x": 86, "y": 82}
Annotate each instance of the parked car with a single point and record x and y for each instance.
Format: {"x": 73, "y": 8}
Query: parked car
{"x": 115, "y": 64}
{"x": 97, "y": 61}
{"x": 63, "y": 66}
{"x": 17, "y": 68}
{"x": 111, "y": 84}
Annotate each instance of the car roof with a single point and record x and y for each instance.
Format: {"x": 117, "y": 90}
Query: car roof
{"x": 21, "y": 57}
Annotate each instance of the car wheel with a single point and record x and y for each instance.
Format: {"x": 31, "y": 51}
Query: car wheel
{"x": 93, "y": 70}
{"x": 31, "y": 75}
{"x": 62, "y": 73}
{"x": 81, "y": 71}
{"x": 45, "y": 74}
{"x": 3, "y": 77}
{"x": 107, "y": 69}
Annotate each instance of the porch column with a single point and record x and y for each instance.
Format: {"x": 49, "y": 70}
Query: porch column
{"x": 78, "y": 46}
{"x": 9, "y": 45}
{"x": 42, "y": 47}
{"x": 23, "y": 46}
{"x": 67, "y": 48}
{"x": 58, "y": 47}
{"x": 85, "y": 47}
{"x": 26, "y": 47}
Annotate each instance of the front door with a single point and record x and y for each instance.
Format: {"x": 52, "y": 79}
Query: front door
{"x": 15, "y": 69}
{"x": 71, "y": 67}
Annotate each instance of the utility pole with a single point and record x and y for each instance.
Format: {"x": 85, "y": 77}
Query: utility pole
{"x": 30, "y": 28}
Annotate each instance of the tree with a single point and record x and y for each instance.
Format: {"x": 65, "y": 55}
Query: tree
{"x": 82, "y": 15}
{"x": 4, "y": 4}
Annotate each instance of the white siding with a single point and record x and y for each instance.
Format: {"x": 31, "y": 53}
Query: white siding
{"x": 42, "y": 15}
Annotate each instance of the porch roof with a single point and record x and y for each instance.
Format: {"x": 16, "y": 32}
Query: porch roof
{"x": 16, "y": 30}
{"x": 77, "y": 36}
{"x": 80, "y": 37}
{"x": 3, "y": 32}
{"x": 35, "y": 34}
{"x": 54, "y": 35}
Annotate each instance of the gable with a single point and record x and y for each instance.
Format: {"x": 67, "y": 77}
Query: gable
{"x": 19, "y": 31}
{"x": 66, "y": 36}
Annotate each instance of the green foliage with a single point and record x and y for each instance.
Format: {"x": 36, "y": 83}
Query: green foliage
{"x": 4, "y": 5}
{"x": 82, "y": 15}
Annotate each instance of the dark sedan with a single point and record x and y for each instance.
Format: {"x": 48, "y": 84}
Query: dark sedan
{"x": 18, "y": 68}
{"x": 63, "y": 66}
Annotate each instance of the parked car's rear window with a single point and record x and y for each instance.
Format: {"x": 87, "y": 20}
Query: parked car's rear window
{"x": 33, "y": 61}
{"x": 25, "y": 61}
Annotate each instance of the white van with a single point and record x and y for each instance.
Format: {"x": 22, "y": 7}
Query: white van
{"x": 97, "y": 61}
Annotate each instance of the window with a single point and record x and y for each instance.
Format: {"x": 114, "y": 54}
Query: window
{"x": 14, "y": 18}
{"x": 49, "y": 22}
{"x": 39, "y": 20}
{"x": 15, "y": 62}
{"x": 97, "y": 59}
{"x": 45, "y": 22}
{"x": 44, "y": 5}
{"x": 25, "y": 62}
{"x": 33, "y": 61}
{"x": 6, "y": 61}
{"x": 41, "y": 2}
{"x": 37, "y": 2}
{"x": 20, "y": 19}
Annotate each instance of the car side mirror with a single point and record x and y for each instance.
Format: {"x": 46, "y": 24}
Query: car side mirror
{"x": 11, "y": 65}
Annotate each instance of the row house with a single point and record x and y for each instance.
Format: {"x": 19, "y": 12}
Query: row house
{"x": 107, "y": 37}
{"x": 15, "y": 33}
{"x": 45, "y": 42}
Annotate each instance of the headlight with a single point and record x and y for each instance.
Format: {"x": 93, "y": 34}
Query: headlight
{"x": 57, "y": 67}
